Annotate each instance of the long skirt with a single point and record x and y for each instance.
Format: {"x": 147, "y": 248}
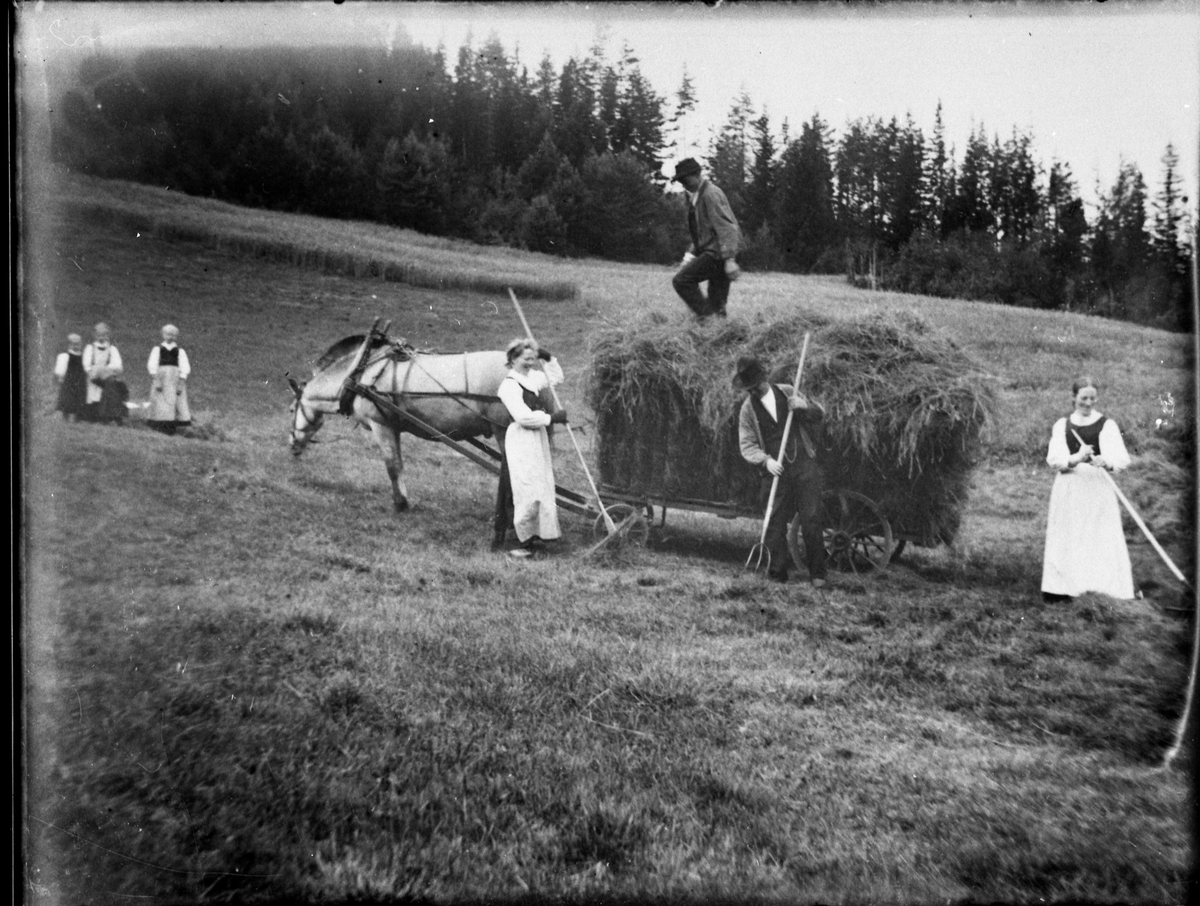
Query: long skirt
{"x": 531, "y": 470}
{"x": 168, "y": 400}
{"x": 72, "y": 393}
{"x": 1085, "y": 543}
{"x": 110, "y": 407}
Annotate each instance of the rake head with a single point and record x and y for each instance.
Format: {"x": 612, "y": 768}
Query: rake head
{"x": 759, "y": 557}
{"x": 615, "y": 540}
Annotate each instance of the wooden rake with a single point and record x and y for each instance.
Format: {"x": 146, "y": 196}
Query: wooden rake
{"x": 759, "y": 552}
{"x": 1140, "y": 524}
{"x": 614, "y": 531}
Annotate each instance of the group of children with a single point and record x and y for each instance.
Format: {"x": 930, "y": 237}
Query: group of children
{"x": 91, "y": 386}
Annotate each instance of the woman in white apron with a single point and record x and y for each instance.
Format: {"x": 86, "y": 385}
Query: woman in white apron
{"x": 169, "y": 369}
{"x": 1085, "y": 542}
{"x": 527, "y": 445}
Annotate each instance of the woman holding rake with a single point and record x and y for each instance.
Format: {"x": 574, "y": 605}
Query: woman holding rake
{"x": 1085, "y": 543}
{"x": 527, "y": 445}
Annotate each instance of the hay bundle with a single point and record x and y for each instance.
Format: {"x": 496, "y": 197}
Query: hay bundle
{"x": 904, "y": 411}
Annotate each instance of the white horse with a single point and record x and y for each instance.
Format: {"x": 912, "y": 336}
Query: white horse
{"x": 454, "y": 395}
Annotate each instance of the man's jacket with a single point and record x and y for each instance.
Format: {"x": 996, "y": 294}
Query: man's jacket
{"x": 711, "y": 222}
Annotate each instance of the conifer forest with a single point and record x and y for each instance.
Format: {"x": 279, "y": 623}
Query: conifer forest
{"x": 577, "y": 161}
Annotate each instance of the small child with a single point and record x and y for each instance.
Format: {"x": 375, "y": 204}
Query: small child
{"x": 72, "y": 379}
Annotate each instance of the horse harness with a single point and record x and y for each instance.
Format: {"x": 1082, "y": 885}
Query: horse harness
{"x": 401, "y": 351}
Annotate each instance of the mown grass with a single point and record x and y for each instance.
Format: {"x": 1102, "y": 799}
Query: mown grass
{"x": 253, "y": 681}
{"x": 357, "y": 249}
{"x": 349, "y": 709}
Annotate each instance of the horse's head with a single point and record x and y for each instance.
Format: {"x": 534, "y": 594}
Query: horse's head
{"x": 306, "y": 419}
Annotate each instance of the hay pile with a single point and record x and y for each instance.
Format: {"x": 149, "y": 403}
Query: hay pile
{"x": 904, "y": 411}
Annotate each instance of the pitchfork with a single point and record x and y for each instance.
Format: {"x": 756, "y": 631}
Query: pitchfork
{"x": 759, "y": 551}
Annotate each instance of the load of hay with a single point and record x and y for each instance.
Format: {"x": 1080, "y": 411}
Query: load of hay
{"x": 904, "y": 411}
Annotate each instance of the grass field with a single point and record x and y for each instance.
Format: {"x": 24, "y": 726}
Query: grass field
{"x": 247, "y": 679}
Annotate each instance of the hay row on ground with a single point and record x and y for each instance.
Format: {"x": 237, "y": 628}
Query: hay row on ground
{"x": 339, "y": 262}
{"x": 905, "y": 410}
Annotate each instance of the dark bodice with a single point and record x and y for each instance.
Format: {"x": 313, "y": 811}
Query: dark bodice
{"x": 1089, "y": 433}
{"x": 533, "y": 400}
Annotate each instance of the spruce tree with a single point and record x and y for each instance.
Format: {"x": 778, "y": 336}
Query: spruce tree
{"x": 761, "y": 186}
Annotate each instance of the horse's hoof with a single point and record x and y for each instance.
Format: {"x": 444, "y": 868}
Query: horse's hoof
{"x": 400, "y": 506}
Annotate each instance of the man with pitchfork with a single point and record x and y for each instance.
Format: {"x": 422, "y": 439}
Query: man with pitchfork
{"x": 761, "y": 428}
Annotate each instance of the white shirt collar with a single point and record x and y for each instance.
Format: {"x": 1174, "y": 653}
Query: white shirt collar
{"x": 768, "y": 401}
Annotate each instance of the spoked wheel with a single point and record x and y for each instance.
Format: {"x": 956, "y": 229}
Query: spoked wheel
{"x": 636, "y": 532}
{"x": 858, "y": 537}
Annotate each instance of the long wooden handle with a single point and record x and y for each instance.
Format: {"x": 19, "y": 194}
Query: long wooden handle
{"x": 787, "y": 426}
{"x": 1138, "y": 519}
{"x": 608, "y": 520}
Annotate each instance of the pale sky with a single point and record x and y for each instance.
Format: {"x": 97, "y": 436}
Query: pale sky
{"x": 1092, "y": 83}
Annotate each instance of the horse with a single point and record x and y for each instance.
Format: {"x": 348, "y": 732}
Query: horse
{"x": 454, "y": 395}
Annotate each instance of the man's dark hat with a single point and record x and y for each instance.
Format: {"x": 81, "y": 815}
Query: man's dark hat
{"x": 750, "y": 373}
{"x": 686, "y": 167}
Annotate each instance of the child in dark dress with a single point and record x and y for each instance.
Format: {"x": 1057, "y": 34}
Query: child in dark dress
{"x": 72, "y": 379}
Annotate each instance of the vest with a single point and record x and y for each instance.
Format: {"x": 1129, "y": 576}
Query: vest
{"x": 693, "y": 220}
{"x": 1090, "y": 435}
{"x": 772, "y": 430}
{"x": 533, "y": 400}
{"x": 168, "y": 357}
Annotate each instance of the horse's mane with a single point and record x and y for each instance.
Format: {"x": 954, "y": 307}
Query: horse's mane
{"x": 344, "y": 347}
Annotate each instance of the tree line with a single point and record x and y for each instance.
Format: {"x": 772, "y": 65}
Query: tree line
{"x": 569, "y": 161}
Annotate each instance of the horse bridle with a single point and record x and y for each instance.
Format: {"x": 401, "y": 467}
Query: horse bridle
{"x": 312, "y": 421}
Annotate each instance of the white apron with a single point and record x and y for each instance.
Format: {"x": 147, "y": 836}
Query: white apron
{"x": 1085, "y": 543}
{"x": 530, "y": 468}
{"x": 168, "y": 391}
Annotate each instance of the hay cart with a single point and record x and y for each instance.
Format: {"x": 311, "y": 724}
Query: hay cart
{"x": 904, "y": 411}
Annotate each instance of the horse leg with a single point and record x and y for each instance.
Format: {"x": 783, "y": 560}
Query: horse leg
{"x": 504, "y": 499}
{"x": 388, "y": 441}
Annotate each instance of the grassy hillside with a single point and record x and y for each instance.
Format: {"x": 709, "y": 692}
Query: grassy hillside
{"x": 249, "y": 679}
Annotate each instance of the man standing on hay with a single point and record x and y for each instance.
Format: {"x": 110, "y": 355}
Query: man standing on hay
{"x": 715, "y": 239}
{"x": 801, "y": 482}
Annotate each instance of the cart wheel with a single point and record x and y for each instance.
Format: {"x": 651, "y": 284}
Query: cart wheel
{"x": 858, "y": 537}
{"x": 638, "y": 530}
